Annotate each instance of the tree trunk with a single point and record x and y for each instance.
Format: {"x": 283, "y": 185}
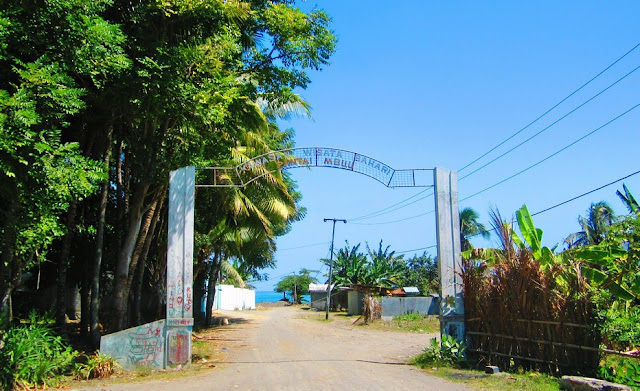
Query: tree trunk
{"x": 9, "y": 266}
{"x": 121, "y": 288}
{"x": 157, "y": 212}
{"x": 214, "y": 268}
{"x": 97, "y": 263}
{"x": 63, "y": 264}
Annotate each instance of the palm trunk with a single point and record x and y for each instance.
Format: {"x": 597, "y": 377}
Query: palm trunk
{"x": 8, "y": 271}
{"x": 214, "y": 268}
{"x": 157, "y": 212}
{"x": 122, "y": 281}
{"x": 97, "y": 262}
{"x": 61, "y": 303}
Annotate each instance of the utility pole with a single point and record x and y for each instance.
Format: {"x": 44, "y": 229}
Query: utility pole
{"x": 333, "y": 234}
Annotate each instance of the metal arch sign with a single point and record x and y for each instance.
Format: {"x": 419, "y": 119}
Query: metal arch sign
{"x": 252, "y": 169}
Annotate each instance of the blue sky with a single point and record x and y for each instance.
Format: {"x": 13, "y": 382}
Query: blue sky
{"x": 424, "y": 84}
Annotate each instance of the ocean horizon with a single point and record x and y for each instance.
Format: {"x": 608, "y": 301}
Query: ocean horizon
{"x": 270, "y": 296}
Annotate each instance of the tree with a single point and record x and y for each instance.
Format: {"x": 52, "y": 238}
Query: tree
{"x": 628, "y": 199}
{"x": 470, "y": 227}
{"x": 297, "y": 284}
{"x": 422, "y": 272}
{"x": 350, "y": 266}
{"x": 145, "y": 87}
{"x": 594, "y": 226}
{"x": 386, "y": 269}
{"x": 54, "y": 57}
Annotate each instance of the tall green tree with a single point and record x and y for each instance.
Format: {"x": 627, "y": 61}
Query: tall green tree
{"x": 297, "y": 284}
{"x": 421, "y": 272}
{"x": 594, "y": 227}
{"x": 470, "y": 227}
{"x": 386, "y": 269}
{"x": 55, "y": 56}
{"x": 628, "y": 199}
{"x": 350, "y": 266}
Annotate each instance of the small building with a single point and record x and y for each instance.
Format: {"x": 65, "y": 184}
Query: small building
{"x": 231, "y": 298}
{"x": 318, "y": 294}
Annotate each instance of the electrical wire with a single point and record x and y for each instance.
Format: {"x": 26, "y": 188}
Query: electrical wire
{"x": 552, "y": 124}
{"x": 551, "y": 109}
{"x": 416, "y": 249}
{"x": 374, "y": 214}
{"x": 552, "y": 155}
{"x": 397, "y": 221}
{"x": 395, "y": 209}
{"x": 387, "y": 209}
{"x": 584, "y": 194}
{"x": 304, "y": 246}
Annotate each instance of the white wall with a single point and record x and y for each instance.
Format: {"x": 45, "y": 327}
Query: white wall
{"x": 231, "y": 298}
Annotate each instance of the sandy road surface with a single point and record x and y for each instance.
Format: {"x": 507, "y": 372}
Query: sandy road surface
{"x": 276, "y": 350}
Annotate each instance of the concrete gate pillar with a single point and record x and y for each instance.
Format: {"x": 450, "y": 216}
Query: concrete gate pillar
{"x": 180, "y": 267}
{"x": 449, "y": 259}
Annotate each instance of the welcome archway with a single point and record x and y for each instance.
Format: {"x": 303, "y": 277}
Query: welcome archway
{"x": 181, "y": 206}
{"x": 167, "y": 342}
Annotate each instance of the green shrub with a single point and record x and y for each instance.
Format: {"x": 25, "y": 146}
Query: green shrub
{"x": 97, "y": 366}
{"x": 33, "y": 355}
{"x": 620, "y": 328}
{"x": 623, "y": 370}
{"x": 410, "y": 317}
{"x": 450, "y": 352}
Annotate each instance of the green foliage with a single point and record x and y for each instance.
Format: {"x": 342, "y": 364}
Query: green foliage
{"x": 97, "y": 366}
{"x": 622, "y": 370}
{"x": 413, "y": 316}
{"x": 449, "y": 352}
{"x": 620, "y": 327}
{"x": 33, "y": 355}
{"x": 381, "y": 268}
{"x": 628, "y": 199}
{"x": 469, "y": 227}
{"x": 421, "y": 272}
{"x": 614, "y": 263}
{"x": 297, "y": 284}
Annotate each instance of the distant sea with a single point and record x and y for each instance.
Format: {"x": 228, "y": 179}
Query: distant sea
{"x": 262, "y": 296}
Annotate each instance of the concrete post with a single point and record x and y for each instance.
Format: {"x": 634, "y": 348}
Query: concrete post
{"x": 449, "y": 259}
{"x": 180, "y": 267}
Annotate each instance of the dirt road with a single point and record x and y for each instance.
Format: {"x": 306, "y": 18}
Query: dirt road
{"x": 276, "y": 350}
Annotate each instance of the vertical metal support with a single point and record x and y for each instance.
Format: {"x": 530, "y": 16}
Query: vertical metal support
{"x": 449, "y": 259}
{"x": 180, "y": 267}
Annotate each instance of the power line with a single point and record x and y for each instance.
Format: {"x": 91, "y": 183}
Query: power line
{"x": 587, "y": 193}
{"x": 397, "y": 221}
{"x": 569, "y": 200}
{"x": 416, "y": 249}
{"x": 554, "y": 106}
{"x": 304, "y": 246}
{"x": 398, "y": 208}
{"x": 552, "y": 155}
{"x": 552, "y": 124}
{"x": 372, "y": 214}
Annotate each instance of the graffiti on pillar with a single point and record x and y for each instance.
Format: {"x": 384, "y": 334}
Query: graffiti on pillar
{"x": 179, "y": 346}
{"x": 189, "y": 300}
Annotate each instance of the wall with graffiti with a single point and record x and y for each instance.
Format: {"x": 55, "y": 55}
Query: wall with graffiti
{"x": 142, "y": 345}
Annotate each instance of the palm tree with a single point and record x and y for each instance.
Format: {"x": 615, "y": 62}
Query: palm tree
{"x": 349, "y": 266}
{"x": 594, "y": 226}
{"x": 386, "y": 269}
{"x": 469, "y": 227}
{"x": 628, "y": 200}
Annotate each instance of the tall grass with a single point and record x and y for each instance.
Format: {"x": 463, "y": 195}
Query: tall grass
{"x": 33, "y": 355}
